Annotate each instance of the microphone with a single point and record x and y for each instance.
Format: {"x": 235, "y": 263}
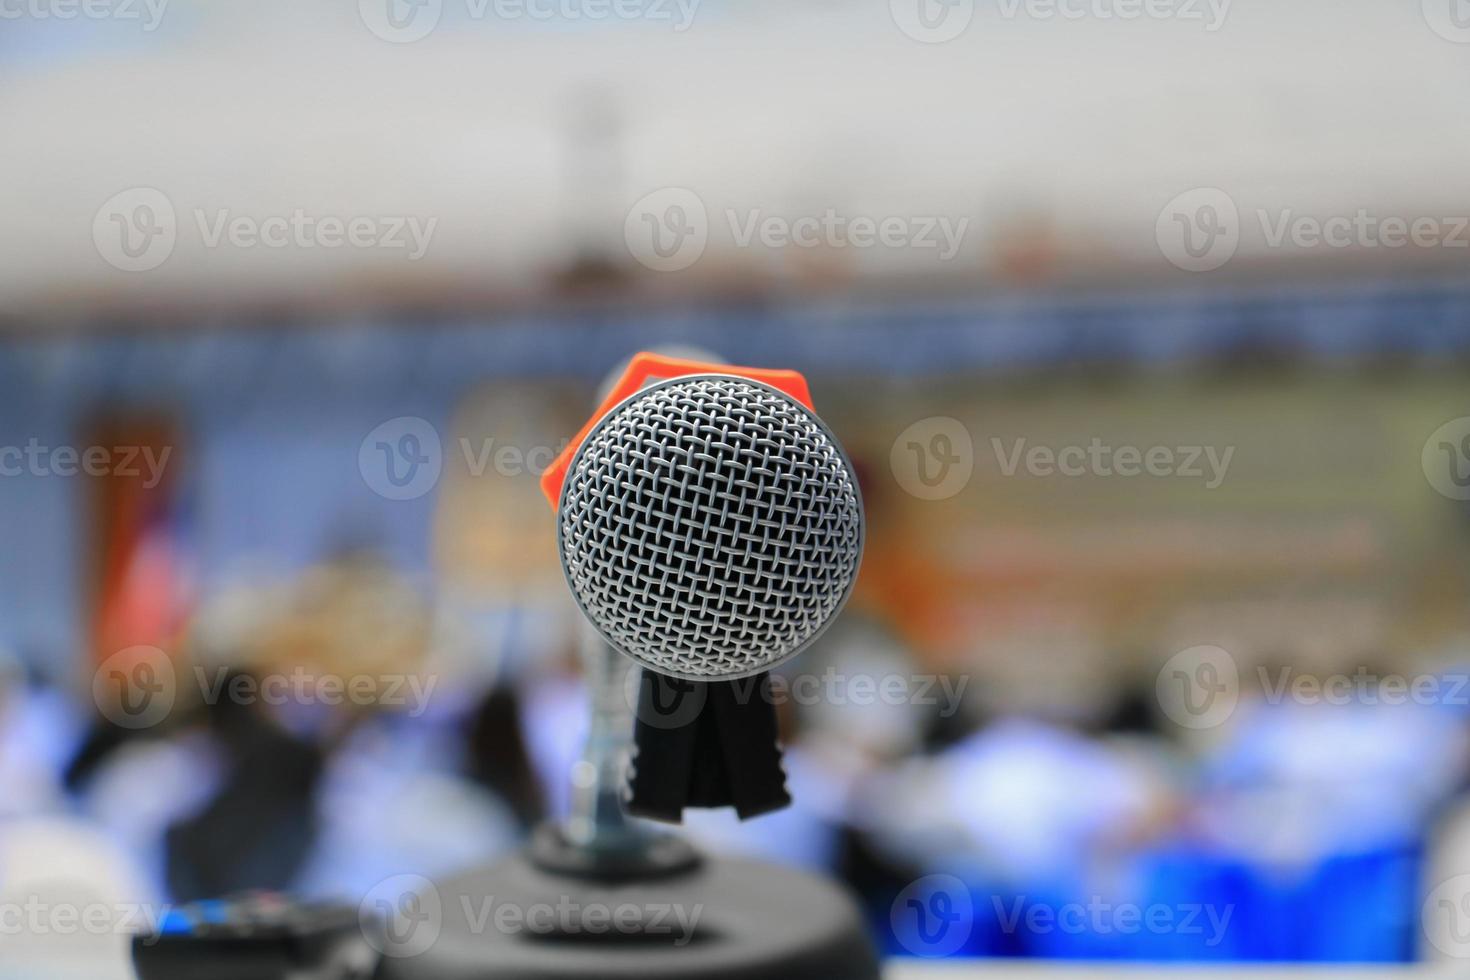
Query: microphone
{"x": 711, "y": 528}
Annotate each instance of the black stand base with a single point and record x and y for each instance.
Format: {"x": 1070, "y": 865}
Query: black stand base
{"x": 532, "y": 919}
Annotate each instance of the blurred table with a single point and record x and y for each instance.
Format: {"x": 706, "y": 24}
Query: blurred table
{"x": 62, "y": 967}
{"x": 1037, "y": 970}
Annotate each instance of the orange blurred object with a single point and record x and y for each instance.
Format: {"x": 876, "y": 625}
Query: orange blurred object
{"x": 647, "y": 367}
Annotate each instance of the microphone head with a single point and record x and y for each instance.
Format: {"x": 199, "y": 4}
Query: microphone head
{"x": 710, "y": 527}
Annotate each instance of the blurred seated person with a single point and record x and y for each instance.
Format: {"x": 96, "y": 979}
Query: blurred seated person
{"x": 39, "y": 731}
{"x": 317, "y": 753}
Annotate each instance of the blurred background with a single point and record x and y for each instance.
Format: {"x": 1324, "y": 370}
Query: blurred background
{"x": 1147, "y": 325}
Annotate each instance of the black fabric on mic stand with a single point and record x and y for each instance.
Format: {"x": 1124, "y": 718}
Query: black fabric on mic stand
{"x": 705, "y": 744}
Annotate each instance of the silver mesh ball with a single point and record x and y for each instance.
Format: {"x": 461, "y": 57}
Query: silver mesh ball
{"x": 710, "y": 527}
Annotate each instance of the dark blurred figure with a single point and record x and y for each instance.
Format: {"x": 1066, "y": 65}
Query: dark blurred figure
{"x": 259, "y": 829}
{"x": 498, "y": 758}
{"x": 102, "y": 739}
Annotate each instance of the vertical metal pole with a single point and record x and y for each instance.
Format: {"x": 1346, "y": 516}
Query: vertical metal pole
{"x": 597, "y": 821}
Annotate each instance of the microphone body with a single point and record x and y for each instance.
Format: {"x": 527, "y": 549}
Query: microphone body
{"x": 710, "y": 528}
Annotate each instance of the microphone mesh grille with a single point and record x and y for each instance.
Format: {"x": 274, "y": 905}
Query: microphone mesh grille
{"x": 710, "y": 527}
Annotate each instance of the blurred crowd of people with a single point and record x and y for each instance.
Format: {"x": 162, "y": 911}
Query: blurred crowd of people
{"x": 1293, "y": 832}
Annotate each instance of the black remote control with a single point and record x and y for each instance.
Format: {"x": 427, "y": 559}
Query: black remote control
{"x": 259, "y": 936}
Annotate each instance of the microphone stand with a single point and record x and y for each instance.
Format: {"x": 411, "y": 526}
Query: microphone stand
{"x": 598, "y": 838}
{"x": 597, "y": 821}
{"x": 697, "y": 915}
